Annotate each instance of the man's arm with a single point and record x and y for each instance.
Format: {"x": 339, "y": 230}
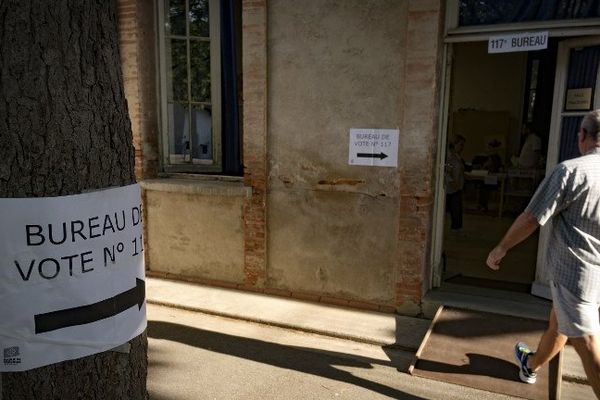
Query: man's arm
{"x": 520, "y": 230}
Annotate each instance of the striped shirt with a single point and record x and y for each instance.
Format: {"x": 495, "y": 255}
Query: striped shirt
{"x": 570, "y": 195}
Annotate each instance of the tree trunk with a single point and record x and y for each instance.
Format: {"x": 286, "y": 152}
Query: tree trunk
{"x": 64, "y": 129}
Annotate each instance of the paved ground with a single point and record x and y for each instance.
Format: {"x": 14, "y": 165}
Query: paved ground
{"x": 358, "y": 325}
{"x": 198, "y": 356}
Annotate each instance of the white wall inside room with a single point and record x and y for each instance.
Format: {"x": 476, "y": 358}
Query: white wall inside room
{"x": 488, "y": 82}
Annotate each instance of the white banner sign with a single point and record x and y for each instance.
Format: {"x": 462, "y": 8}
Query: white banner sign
{"x": 373, "y": 147}
{"x": 526, "y": 41}
{"x": 71, "y": 281}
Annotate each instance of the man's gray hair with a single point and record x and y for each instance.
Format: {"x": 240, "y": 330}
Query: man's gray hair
{"x": 591, "y": 124}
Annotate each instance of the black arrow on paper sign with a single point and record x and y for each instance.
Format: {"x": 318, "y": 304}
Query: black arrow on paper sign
{"x": 92, "y": 312}
{"x": 381, "y": 156}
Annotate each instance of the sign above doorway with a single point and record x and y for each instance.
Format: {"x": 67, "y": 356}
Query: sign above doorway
{"x": 525, "y": 41}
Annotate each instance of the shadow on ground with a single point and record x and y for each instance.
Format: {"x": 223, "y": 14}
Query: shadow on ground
{"x": 477, "y": 364}
{"x": 306, "y": 360}
{"x": 481, "y": 325}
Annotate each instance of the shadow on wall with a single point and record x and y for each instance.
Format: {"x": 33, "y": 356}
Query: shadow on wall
{"x": 310, "y": 361}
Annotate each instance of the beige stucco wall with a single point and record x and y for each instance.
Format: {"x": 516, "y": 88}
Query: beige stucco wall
{"x": 195, "y": 230}
{"x": 332, "y": 66}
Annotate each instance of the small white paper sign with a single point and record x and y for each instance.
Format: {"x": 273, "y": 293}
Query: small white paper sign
{"x": 526, "y": 41}
{"x": 71, "y": 281}
{"x": 373, "y": 147}
{"x": 578, "y": 99}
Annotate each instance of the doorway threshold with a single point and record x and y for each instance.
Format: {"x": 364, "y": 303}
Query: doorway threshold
{"x": 487, "y": 300}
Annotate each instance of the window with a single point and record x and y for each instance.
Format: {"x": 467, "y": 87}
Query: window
{"x": 489, "y": 12}
{"x": 196, "y": 64}
{"x": 532, "y": 90}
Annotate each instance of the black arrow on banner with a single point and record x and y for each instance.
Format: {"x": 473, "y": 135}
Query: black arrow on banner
{"x": 92, "y": 312}
{"x": 381, "y": 156}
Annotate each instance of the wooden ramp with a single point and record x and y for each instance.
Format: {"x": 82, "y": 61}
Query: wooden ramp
{"x": 475, "y": 349}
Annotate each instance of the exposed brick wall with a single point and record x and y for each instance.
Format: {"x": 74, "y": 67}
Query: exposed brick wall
{"x": 137, "y": 42}
{"x": 254, "y": 17}
{"x": 418, "y": 144}
{"x": 127, "y": 14}
{"x": 147, "y": 59}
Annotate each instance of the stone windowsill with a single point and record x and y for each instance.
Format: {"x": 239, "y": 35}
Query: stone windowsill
{"x": 202, "y": 187}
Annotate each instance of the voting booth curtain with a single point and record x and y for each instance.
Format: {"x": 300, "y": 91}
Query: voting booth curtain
{"x": 489, "y": 12}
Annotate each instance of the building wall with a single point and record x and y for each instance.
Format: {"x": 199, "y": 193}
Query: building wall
{"x": 418, "y": 149}
{"x": 254, "y": 71}
{"x": 194, "y": 231}
{"x": 137, "y": 39}
{"x": 332, "y": 66}
{"x": 302, "y": 222}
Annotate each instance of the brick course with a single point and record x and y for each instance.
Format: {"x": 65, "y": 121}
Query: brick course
{"x": 418, "y": 146}
{"x": 254, "y": 17}
{"x": 137, "y": 42}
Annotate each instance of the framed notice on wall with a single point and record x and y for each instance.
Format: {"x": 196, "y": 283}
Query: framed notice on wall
{"x": 578, "y": 99}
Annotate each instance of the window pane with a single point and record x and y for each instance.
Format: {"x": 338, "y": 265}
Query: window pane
{"x": 583, "y": 67}
{"x": 200, "y": 70}
{"x": 199, "y": 25}
{"x": 531, "y": 105}
{"x": 179, "y": 127}
{"x": 484, "y": 12}
{"x": 568, "y": 138}
{"x": 178, "y": 72}
{"x": 535, "y": 66}
{"x": 202, "y": 141}
{"x": 176, "y": 17}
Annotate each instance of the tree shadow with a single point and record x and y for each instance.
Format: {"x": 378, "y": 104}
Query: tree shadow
{"x": 489, "y": 373}
{"x": 301, "y": 359}
{"x": 454, "y": 353}
{"x": 481, "y": 324}
{"x": 478, "y": 364}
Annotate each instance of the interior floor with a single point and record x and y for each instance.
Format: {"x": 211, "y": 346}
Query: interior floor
{"x": 465, "y": 254}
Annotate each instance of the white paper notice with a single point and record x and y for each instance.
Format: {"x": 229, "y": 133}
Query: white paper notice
{"x": 72, "y": 276}
{"x": 373, "y": 147}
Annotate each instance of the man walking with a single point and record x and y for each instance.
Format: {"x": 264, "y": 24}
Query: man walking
{"x": 570, "y": 197}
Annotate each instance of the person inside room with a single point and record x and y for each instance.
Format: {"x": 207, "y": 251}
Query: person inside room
{"x": 492, "y": 163}
{"x": 455, "y": 182}
{"x": 531, "y": 151}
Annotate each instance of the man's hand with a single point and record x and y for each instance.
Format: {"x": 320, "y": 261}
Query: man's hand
{"x": 495, "y": 258}
{"x": 521, "y": 229}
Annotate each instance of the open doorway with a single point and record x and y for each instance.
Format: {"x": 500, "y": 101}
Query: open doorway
{"x": 499, "y": 119}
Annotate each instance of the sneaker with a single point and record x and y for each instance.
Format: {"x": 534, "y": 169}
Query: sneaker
{"x": 522, "y": 353}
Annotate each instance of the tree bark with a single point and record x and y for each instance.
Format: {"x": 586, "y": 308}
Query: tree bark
{"x": 65, "y": 129}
